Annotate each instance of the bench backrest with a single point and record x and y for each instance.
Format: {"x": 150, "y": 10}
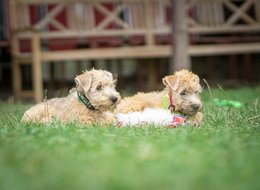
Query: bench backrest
{"x": 224, "y": 16}
{"x": 88, "y": 18}
{"x": 127, "y": 18}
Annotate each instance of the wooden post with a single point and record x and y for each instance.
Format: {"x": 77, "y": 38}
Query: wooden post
{"x": 152, "y": 75}
{"x": 36, "y": 67}
{"x": 150, "y": 42}
{"x": 149, "y": 23}
{"x": 17, "y": 79}
{"x": 180, "y": 57}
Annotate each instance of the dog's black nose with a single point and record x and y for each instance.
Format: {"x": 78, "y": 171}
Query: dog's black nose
{"x": 114, "y": 99}
{"x": 195, "y": 107}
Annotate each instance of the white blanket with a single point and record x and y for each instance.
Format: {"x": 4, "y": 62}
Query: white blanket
{"x": 160, "y": 117}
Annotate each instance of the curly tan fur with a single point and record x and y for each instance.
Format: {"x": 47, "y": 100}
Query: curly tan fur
{"x": 183, "y": 86}
{"x": 97, "y": 85}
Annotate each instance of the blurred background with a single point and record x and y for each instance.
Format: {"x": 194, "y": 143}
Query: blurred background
{"x": 44, "y": 44}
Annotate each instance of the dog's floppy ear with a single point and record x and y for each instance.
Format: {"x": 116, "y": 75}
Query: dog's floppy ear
{"x": 171, "y": 81}
{"x": 84, "y": 81}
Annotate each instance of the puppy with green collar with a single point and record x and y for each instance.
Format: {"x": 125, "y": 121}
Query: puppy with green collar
{"x": 92, "y": 101}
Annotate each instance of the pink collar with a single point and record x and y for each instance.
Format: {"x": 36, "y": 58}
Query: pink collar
{"x": 171, "y": 106}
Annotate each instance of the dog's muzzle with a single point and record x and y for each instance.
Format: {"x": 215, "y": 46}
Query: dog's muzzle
{"x": 195, "y": 107}
{"x": 114, "y": 99}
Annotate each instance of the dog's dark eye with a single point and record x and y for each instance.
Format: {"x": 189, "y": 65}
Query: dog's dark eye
{"x": 183, "y": 93}
{"x": 99, "y": 87}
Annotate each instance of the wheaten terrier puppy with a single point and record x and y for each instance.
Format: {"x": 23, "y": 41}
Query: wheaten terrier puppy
{"x": 181, "y": 96}
{"x": 92, "y": 101}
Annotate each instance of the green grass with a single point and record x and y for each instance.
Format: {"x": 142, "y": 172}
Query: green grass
{"x": 223, "y": 153}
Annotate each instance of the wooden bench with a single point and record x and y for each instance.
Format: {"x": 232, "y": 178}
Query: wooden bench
{"x": 226, "y": 26}
{"x": 214, "y": 27}
{"x": 120, "y": 20}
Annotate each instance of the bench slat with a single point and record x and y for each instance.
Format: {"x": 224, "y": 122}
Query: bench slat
{"x": 108, "y": 53}
{"x": 223, "y": 49}
{"x": 149, "y": 52}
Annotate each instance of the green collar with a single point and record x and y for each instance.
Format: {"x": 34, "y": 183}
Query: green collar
{"x": 168, "y": 104}
{"x": 82, "y": 98}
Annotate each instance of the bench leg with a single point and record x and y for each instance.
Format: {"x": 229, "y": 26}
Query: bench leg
{"x": 140, "y": 74}
{"x": 152, "y": 75}
{"x": 17, "y": 80}
{"x": 36, "y": 68}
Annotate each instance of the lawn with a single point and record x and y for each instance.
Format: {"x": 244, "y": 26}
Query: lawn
{"x": 222, "y": 153}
